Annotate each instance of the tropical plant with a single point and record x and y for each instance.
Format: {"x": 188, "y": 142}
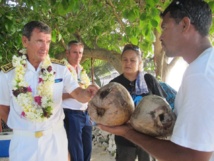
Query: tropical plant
{"x": 104, "y": 26}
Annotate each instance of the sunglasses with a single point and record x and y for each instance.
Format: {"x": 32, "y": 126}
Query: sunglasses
{"x": 132, "y": 87}
{"x": 180, "y": 6}
{"x": 131, "y": 47}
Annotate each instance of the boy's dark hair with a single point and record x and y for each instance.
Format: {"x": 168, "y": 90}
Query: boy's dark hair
{"x": 197, "y": 11}
{"x": 29, "y": 27}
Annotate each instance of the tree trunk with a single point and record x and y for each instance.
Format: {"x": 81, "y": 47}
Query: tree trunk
{"x": 161, "y": 61}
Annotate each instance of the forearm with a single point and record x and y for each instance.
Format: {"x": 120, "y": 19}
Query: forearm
{"x": 84, "y": 95}
{"x": 81, "y": 95}
{"x": 4, "y": 112}
{"x": 165, "y": 150}
{"x": 66, "y": 96}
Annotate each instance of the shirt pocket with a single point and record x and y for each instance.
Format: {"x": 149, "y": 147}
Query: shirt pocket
{"x": 58, "y": 89}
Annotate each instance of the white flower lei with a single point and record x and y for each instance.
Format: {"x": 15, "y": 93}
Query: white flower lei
{"x": 84, "y": 79}
{"x": 39, "y": 107}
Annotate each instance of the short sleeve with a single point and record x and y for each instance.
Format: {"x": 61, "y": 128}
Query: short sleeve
{"x": 70, "y": 83}
{"x": 4, "y": 90}
{"x": 194, "y": 108}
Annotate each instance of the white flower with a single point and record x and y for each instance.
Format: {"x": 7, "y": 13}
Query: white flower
{"x": 34, "y": 111}
{"x": 23, "y": 51}
{"x": 84, "y": 79}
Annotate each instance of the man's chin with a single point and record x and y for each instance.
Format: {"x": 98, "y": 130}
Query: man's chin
{"x": 43, "y": 57}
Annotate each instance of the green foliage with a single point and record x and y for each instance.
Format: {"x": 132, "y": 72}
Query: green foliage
{"x": 108, "y": 24}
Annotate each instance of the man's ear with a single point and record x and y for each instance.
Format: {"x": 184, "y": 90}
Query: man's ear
{"x": 186, "y": 23}
{"x": 66, "y": 53}
{"x": 24, "y": 41}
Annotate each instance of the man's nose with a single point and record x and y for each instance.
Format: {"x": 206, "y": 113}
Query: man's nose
{"x": 45, "y": 46}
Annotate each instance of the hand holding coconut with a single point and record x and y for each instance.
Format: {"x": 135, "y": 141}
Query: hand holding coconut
{"x": 194, "y": 124}
{"x": 113, "y": 105}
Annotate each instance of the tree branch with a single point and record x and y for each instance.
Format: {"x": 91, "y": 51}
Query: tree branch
{"x": 119, "y": 20}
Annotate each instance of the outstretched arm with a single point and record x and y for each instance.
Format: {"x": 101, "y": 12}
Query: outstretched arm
{"x": 66, "y": 96}
{"x": 163, "y": 150}
{"x": 84, "y": 95}
{"x": 4, "y": 112}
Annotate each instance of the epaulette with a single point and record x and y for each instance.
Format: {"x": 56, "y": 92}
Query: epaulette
{"x": 57, "y": 61}
{"x": 7, "y": 67}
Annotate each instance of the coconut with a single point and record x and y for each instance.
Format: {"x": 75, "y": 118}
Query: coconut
{"x": 112, "y": 105}
{"x": 153, "y": 116}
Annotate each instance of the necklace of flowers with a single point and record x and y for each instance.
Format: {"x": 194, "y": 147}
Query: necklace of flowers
{"x": 84, "y": 80}
{"x": 35, "y": 108}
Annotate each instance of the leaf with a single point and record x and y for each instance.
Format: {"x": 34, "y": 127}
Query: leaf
{"x": 134, "y": 40}
{"x": 53, "y": 2}
{"x": 150, "y": 2}
{"x": 154, "y": 23}
{"x": 59, "y": 37}
{"x": 60, "y": 9}
{"x": 53, "y": 36}
{"x": 9, "y": 17}
{"x": 211, "y": 4}
{"x": 143, "y": 16}
{"x": 132, "y": 14}
{"x": 95, "y": 22}
{"x": 96, "y": 30}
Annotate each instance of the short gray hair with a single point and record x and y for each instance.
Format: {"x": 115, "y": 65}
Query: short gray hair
{"x": 74, "y": 42}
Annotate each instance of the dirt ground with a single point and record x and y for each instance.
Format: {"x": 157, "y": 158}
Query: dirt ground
{"x": 98, "y": 154}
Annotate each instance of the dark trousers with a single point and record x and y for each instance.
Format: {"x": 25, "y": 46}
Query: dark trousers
{"x": 79, "y": 132}
{"x": 130, "y": 153}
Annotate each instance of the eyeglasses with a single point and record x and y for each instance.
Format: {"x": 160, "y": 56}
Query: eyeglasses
{"x": 131, "y": 47}
{"x": 183, "y": 8}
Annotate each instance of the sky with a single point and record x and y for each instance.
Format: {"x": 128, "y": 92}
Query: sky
{"x": 176, "y": 74}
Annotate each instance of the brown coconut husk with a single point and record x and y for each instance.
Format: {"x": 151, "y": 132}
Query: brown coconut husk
{"x": 112, "y": 105}
{"x": 153, "y": 116}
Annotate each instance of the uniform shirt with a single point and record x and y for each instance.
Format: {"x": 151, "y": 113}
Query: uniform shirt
{"x": 73, "y": 103}
{"x": 63, "y": 81}
{"x": 194, "y": 103}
